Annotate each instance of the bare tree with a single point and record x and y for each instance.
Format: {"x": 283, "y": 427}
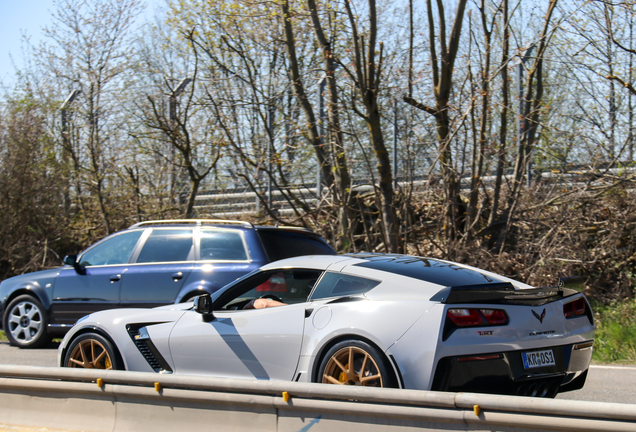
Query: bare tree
{"x": 89, "y": 51}
{"x": 503, "y": 122}
{"x": 367, "y": 74}
{"x": 442, "y": 71}
{"x": 186, "y": 129}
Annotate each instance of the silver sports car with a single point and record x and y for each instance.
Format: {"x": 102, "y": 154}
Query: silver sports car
{"x": 362, "y": 319}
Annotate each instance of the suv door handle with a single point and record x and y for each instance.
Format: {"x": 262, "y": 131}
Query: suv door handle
{"x": 177, "y": 276}
{"x": 115, "y": 278}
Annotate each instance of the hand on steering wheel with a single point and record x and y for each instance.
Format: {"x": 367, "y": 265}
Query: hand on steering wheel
{"x": 272, "y": 297}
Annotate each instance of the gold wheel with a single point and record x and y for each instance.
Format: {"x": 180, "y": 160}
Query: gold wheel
{"x": 90, "y": 354}
{"x": 352, "y": 366}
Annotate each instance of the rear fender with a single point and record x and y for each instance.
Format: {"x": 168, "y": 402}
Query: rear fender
{"x": 194, "y": 289}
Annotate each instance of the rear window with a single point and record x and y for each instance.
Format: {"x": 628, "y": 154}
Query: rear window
{"x": 429, "y": 270}
{"x": 337, "y": 285}
{"x": 281, "y": 244}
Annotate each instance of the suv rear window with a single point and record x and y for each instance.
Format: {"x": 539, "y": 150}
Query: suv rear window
{"x": 281, "y": 244}
{"x": 222, "y": 245}
{"x": 167, "y": 245}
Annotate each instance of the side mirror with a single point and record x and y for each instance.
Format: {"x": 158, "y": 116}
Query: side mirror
{"x": 203, "y": 305}
{"x": 72, "y": 261}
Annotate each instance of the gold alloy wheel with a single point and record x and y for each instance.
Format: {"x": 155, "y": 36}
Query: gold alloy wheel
{"x": 90, "y": 354}
{"x": 352, "y": 366}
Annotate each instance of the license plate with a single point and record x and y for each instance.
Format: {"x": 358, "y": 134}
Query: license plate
{"x": 538, "y": 359}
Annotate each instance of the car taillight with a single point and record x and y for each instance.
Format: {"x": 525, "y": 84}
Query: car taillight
{"x": 464, "y": 317}
{"x": 494, "y": 316}
{"x": 574, "y": 308}
{"x": 469, "y": 317}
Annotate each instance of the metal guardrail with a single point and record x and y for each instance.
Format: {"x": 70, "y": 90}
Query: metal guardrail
{"x": 95, "y": 400}
{"x": 234, "y": 203}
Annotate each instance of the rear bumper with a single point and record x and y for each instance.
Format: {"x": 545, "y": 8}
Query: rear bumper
{"x": 504, "y": 372}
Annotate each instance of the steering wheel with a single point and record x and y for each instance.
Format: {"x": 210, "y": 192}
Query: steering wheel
{"x": 271, "y": 297}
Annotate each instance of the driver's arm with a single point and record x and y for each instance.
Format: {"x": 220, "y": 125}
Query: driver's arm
{"x": 262, "y": 303}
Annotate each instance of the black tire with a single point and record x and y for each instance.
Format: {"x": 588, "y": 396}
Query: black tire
{"x": 335, "y": 366}
{"x": 92, "y": 351}
{"x": 25, "y": 322}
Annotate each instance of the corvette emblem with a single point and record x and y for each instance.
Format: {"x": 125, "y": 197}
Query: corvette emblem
{"x": 539, "y": 317}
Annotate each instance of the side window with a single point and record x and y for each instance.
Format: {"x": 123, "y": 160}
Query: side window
{"x": 116, "y": 250}
{"x": 167, "y": 245}
{"x": 282, "y": 243}
{"x": 287, "y": 286}
{"x": 222, "y": 245}
{"x": 338, "y": 285}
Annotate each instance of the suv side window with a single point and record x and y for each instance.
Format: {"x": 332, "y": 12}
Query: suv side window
{"x": 116, "y": 250}
{"x": 167, "y": 245}
{"x": 222, "y": 245}
{"x": 337, "y": 285}
{"x": 282, "y": 243}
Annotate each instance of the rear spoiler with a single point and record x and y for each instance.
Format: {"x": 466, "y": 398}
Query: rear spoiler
{"x": 506, "y": 293}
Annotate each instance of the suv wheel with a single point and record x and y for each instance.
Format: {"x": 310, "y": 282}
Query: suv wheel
{"x": 25, "y": 322}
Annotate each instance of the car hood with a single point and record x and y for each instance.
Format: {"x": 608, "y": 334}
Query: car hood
{"x": 36, "y": 278}
{"x": 167, "y": 313}
{"x": 179, "y": 306}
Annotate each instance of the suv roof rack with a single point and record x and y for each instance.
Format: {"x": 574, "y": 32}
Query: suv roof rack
{"x": 197, "y": 222}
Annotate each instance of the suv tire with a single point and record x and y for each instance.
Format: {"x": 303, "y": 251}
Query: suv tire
{"x": 25, "y": 322}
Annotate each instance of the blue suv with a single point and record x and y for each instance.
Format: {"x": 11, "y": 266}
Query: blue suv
{"x": 149, "y": 264}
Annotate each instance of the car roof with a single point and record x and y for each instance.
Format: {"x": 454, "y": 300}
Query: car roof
{"x": 319, "y": 262}
{"x": 431, "y": 270}
{"x": 215, "y": 222}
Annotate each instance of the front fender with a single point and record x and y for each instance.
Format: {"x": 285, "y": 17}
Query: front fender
{"x": 38, "y": 284}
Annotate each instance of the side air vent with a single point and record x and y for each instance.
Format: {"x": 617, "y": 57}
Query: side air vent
{"x": 139, "y": 334}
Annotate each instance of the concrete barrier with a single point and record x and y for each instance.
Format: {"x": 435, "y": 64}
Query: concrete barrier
{"x": 95, "y": 400}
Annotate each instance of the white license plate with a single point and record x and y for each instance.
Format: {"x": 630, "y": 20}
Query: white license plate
{"x": 537, "y": 359}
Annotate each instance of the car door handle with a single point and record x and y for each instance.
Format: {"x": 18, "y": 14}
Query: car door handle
{"x": 308, "y": 312}
{"x": 115, "y": 278}
{"x": 177, "y": 276}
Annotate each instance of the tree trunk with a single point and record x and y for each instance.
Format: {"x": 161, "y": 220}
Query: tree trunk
{"x": 341, "y": 170}
{"x": 367, "y": 75}
{"x": 503, "y": 127}
{"x": 303, "y": 99}
{"x": 442, "y": 69}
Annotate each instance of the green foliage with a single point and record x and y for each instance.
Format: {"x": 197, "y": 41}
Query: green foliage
{"x": 615, "y": 339}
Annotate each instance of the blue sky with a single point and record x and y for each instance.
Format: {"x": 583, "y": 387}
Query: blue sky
{"x": 18, "y": 17}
